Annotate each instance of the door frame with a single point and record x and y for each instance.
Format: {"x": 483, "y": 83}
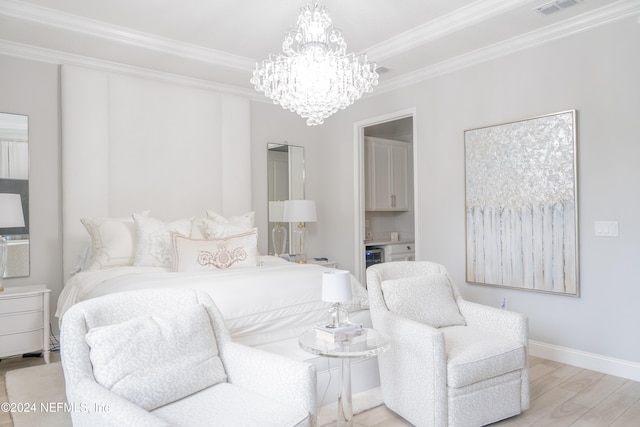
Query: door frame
{"x": 359, "y": 182}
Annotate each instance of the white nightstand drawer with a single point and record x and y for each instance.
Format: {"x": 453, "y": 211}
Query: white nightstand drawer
{"x": 25, "y": 342}
{"x": 20, "y": 303}
{"x": 20, "y": 322}
{"x": 24, "y": 320}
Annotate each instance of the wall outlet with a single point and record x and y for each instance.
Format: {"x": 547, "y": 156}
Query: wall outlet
{"x": 503, "y": 302}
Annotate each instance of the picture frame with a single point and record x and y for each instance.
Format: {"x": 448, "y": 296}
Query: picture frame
{"x": 521, "y": 202}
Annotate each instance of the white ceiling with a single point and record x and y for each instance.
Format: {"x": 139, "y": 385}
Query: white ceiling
{"x": 220, "y": 40}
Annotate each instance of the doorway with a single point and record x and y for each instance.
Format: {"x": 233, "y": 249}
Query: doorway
{"x": 385, "y": 212}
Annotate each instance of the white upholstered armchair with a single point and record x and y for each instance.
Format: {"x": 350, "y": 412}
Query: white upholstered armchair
{"x": 164, "y": 357}
{"x": 451, "y": 362}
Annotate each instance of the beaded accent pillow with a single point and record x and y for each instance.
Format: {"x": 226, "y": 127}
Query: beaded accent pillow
{"x": 427, "y": 299}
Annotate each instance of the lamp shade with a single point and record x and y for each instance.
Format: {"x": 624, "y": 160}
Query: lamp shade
{"x": 300, "y": 211}
{"x": 336, "y": 286}
{"x": 11, "y": 211}
{"x": 276, "y": 211}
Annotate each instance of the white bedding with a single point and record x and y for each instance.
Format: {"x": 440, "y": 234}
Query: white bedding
{"x": 275, "y": 301}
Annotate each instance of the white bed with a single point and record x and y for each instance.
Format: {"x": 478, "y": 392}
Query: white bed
{"x": 274, "y": 301}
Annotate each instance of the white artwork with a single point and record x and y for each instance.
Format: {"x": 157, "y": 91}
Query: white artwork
{"x": 521, "y": 204}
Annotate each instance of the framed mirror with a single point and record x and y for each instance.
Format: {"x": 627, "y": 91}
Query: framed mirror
{"x": 14, "y": 186}
{"x": 285, "y": 182}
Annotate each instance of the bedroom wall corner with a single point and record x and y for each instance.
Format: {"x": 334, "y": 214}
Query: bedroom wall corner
{"x": 236, "y": 150}
{"x": 84, "y": 153}
{"x": 32, "y": 88}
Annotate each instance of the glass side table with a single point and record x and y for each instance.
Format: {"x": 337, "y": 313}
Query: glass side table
{"x": 369, "y": 343}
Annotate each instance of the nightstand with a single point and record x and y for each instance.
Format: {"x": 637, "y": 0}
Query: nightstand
{"x": 323, "y": 262}
{"x": 24, "y": 320}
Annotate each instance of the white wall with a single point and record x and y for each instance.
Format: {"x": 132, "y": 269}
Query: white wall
{"x": 594, "y": 72}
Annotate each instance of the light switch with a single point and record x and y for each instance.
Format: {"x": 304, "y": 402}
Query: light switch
{"x": 606, "y": 228}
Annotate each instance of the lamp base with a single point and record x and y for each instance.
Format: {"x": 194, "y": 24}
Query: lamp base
{"x": 279, "y": 238}
{"x": 342, "y": 333}
{"x": 298, "y": 247}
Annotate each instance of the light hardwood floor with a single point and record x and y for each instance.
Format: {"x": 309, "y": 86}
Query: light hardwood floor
{"x": 561, "y": 395}
{"x": 17, "y": 363}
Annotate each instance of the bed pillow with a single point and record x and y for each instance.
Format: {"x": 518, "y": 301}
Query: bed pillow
{"x": 113, "y": 241}
{"x": 426, "y": 299}
{"x": 240, "y": 250}
{"x": 216, "y": 226}
{"x": 153, "y": 247}
{"x": 155, "y": 360}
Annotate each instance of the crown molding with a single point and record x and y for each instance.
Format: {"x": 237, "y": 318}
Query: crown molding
{"x": 117, "y": 34}
{"x": 50, "y": 56}
{"x": 447, "y": 24}
{"x": 618, "y": 10}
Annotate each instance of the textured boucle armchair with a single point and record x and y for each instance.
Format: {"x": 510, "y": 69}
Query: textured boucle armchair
{"x": 451, "y": 362}
{"x": 163, "y": 357}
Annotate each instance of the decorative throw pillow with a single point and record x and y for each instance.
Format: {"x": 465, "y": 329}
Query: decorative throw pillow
{"x": 426, "y": 299}
{"x": 154, "y": 240}
{"x": 216, "y": 226}
{"x": 155, "y": 360}
{"x": 113, "y": 241}
{"x": 240, "y": 250}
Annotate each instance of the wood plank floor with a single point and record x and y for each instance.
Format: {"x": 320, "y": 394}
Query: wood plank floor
{"x": 17, "y": 363}
{"x": 561, "y": 395}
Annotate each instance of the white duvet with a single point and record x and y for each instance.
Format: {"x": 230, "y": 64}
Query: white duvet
{"x": 275, "y": 301}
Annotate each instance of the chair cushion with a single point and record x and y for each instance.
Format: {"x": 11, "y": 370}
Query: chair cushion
{"x": 427, "y": 299}
{"x": 229, "y": 405}
{"x": 154, "y": 360}
{"x": 475, "y": 355}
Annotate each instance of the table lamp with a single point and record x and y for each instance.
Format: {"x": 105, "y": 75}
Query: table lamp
{"x": 11, "y": 216}
{"x": 299, "y": 211}
{"x": 336, "y": 289}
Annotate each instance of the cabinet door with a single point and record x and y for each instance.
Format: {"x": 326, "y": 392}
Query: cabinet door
{"x": 387, "y": 175}
{"x": 378, "y": 176}
{"x": 400, "y": 176}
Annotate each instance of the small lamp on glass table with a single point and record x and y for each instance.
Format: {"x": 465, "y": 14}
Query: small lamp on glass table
{"x": 11, "y": 216}
{"x": 336, "y": 289}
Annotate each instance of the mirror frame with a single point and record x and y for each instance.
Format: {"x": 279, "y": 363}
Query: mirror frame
{"x": 14, "y": 130}
{"x": 290, "y": 158}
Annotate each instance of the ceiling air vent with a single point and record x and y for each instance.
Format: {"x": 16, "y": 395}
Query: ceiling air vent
{"x": 554, "y": 6}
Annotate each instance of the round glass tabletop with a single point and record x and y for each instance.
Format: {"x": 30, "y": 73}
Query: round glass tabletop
{"x": 369, "y": 343}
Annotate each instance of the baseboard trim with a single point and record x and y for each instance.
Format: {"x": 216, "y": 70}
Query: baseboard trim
{"x": 582, "y": 359}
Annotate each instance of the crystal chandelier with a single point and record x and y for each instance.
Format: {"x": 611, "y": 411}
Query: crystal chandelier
{"x": 315, "y": 77}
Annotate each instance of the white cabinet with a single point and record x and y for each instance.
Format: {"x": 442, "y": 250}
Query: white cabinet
{"x": 387, "y": 166}
{"x": 399, "y": 252}
{"x": 24, "y": 320}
